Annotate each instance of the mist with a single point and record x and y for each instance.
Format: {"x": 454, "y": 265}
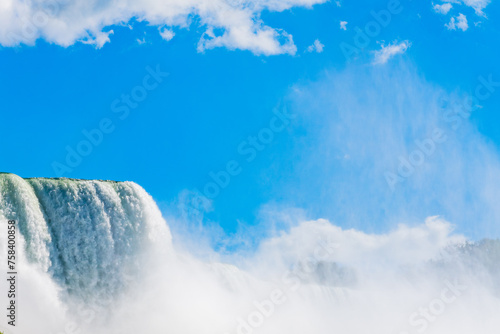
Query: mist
{"x": 317, "y": 277}
{"x": 382, "y": 145}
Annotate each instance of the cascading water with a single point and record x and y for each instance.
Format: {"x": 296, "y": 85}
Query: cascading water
{"x": 88, "y": 235}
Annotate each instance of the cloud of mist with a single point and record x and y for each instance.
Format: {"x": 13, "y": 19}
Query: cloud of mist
{"x": 321, "y": 278}
{"x": 381, "y": 145}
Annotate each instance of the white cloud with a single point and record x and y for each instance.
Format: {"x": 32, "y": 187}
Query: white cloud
{"x": 166, "y": 34}
{"x": 343, "y": 25}
{"x": 316, "y": 47}
{"x": 99, "y": 39}
{"x": 63, "y": 22}
{"x": 442, "y": 9}
{"x": 477, "y": 5}
{"x": 387, "y": 52}
{"x": 459, "y": 22}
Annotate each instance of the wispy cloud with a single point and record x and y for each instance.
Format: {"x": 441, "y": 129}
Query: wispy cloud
{"x": 343, "y": 25}
{"x": 459, "y": 22}
{"x": 387, "y": 52}
{"x": 477, "y": 5}
{"x": 317, "y": 46}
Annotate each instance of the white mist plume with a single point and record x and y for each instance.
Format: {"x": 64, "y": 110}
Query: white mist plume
{"x": 321, "y": 278}
{"x": 359, "y": 134}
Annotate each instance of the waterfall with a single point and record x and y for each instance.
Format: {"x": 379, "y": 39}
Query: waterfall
{"x": 88, "y": 235}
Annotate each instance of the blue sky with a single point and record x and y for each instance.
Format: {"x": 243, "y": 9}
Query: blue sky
{"x": 229, "y": 65}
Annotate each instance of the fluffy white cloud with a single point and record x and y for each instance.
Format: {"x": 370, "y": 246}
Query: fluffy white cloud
{"x": 166, "y": 34}
{"x": 235, "y": 24}
{"x": 442, "y": 9}
{"x": 317, "y": 46}
{"x": 343, "y": 25}
{"x": 389, "y": 51}
{"x": 459, "y": 22}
